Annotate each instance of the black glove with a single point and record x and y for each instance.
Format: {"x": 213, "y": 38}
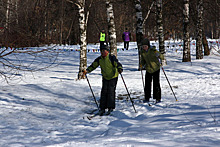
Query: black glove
{"x": 120, "y": 70}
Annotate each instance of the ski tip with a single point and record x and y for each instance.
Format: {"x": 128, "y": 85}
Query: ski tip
{"x": 89, "y": 118}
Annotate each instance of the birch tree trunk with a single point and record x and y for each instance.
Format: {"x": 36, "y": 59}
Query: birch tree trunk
{"x": 83, "y": 42}
{"x": 7, "y": 20}
{"x": 61, "y": 22}
{"x": 45, "y": 22}
{"x": 111, "y": 28}
{"x": 186, "y": 38}
{"x": 204, "y": 40}
{"x": 7, "y": 14}
{"x": 160, "y": 28}
{"x": 205, "y": 45}
{"x": 139, "y": 28}
{"x": 218, "y": 27}
{"x": 16, "y": 11}
{"x": 199, "y": 30}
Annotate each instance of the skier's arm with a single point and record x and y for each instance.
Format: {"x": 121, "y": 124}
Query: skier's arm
{"x": 143, "y": 62}
{"x": 117, "y": 64}
{"x": 159, "y": 56}
{"x": 120, "y": 68}
{"x": 93, "y": 66}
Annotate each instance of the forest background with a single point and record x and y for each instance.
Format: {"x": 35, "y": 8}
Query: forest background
{"x": 39, "y": 22}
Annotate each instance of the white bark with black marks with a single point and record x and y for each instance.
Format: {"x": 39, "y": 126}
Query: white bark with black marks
{"x": 111, "y": 28}
{"x": 199, "y": 30}
{"x": 139, "y": 28}
{"x": 160, "y": 28}
{"x": 186, "y": 37}
{"x": 83, "y": 42}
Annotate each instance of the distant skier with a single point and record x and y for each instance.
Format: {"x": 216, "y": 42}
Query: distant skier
{"x": 102, "y": 38}
{"x": 126, "y": 36}
{"x": 150, "y": 62}
{"x": 110, "y": 69}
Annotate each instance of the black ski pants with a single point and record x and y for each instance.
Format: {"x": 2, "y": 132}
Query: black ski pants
{"x": 156, "y": 85}
{"x": 107, "y": 99}
{"x": 126, "y": 45}
{"x": 102, "y": 43}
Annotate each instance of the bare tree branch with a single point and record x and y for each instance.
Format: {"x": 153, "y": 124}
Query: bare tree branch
{"x": 15, "y": 61}
{"x": 148, "y": 13}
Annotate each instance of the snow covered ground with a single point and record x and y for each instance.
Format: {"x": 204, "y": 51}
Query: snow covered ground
{"x": 49, "y": 107}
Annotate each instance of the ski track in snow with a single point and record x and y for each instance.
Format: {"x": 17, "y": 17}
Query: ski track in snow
{"x": 49, "y": 108}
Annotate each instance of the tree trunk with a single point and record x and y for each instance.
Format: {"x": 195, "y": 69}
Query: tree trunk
{"x": 83, "y": 42}
{"x": 199, "y": 50}
{"x": 61, "y": 23}
{"x": 139, "y": 28}
{"x": 16, "y": 11}
{"x": 186, "y": 39}
{"x": 7, "y": 14}
{"x": 205, "y": 45}
{"x": 111, "y": 28}
{"x": 7, "y": 26}
{"x": 218, "y": 28}
{"x": 46, "y": 23}
{"x": 160, "y": 28}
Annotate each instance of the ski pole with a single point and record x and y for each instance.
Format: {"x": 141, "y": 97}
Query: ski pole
{"x": 167, "y": 80}
{"x": 128, "y": 93}
{"x": 92, "y": 92}
{"x": 142, "y": 79}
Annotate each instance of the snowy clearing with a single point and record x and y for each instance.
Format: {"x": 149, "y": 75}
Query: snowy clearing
{"x": 49, "y": 108}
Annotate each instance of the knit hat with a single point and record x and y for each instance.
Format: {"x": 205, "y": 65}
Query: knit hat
{"x": 104, "y": 47}
{"x": 145, "y": 41}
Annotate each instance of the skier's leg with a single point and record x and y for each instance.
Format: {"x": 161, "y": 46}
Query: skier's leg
{"x": 148, "y": 80}
{"x": 104, "y": 94}
{"x": 156, "y": 86}
{"x": 111, "y": 93}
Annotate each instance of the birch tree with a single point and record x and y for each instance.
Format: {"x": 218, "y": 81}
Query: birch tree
{"x": 205, "y": 44}
{"x": 111, "y": 28}
{"x": 7, "y": 14}
{"x": 160, "y": 28}
{"x": 199, "y": 30}
{"x": 186, "y": 38}
{"x": 7, "y": 19}
{"x": 139, "y": 28}
{"x": 61, "y": 21}
{"x": 82, "y": 42}
{"x": 204, "y": 39}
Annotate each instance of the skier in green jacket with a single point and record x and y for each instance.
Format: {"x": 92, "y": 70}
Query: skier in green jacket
{"x": 150, "y": 61}
{"x": 110, "y": 69}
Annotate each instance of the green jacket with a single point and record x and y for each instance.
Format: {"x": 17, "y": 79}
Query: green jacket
{"x": 109, "y": 66}
{"x": 150, "y": 61}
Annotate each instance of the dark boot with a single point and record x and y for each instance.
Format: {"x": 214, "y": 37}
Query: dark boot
{"x": 101, "y": 112}
{"x": 109, "y": 111}
{"x": 146, "y": 101}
